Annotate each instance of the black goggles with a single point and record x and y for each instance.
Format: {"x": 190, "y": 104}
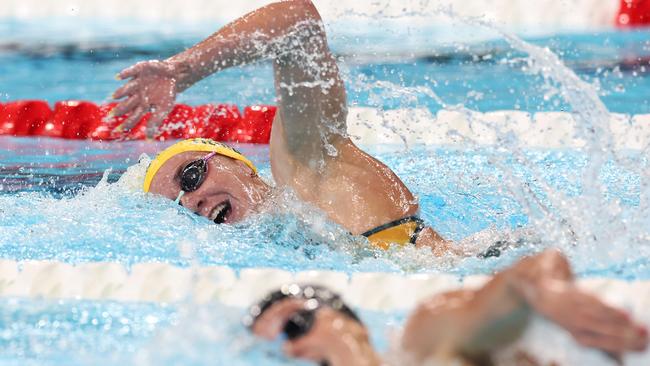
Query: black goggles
{"x": 300, "y": 323}
{"x": 321, "y": 295}
{"x": 193, "y": 174}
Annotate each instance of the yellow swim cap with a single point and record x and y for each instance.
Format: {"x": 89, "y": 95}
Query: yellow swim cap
{"x": 198, "y": 144}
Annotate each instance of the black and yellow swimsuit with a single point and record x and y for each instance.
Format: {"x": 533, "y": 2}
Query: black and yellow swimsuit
{"x": 406, "y": 231}
{"x": 402, "y": 232}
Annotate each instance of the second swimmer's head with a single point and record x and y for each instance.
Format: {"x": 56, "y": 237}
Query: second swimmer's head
{"x": 207, "y": 177}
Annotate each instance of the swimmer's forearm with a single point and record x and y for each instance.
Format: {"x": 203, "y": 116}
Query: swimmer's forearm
{"x": 477, "y": 322}
{"x": 463, "y": 322}
{"x": 257, "y": 35}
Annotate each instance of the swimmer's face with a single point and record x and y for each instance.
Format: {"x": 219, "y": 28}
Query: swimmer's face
{"x": 229, "y": 192}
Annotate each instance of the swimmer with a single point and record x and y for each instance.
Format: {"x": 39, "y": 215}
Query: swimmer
{"x": 465, "y": 327}
{"x": 309, "y": 149}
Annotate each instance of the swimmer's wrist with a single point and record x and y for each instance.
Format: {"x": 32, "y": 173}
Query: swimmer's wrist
{"x": 182, "y": 72}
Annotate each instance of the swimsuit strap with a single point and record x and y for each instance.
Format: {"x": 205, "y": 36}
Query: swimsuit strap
{"x": 418, "y": 229}
{"x": 404, "y": 220}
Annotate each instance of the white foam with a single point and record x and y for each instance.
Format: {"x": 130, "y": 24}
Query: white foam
{"x": 539, "y": 130}
{"x": 335, "y": 281}
{"x": 45, "y": 279}
{"x": 552, "y": 345}
{"x": 132, "y": 179}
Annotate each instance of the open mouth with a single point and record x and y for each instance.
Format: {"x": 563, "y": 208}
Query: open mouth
{"x": 220, "y": 213}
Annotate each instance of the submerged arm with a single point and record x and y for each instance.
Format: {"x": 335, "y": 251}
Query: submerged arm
{"x": 476, "y": 323}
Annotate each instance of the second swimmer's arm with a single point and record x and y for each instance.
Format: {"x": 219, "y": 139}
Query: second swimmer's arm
{"x": 477, "y": 323}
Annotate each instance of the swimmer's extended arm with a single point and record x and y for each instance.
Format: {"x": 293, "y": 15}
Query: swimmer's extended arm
{"x": 309, "y": 150}
{"x": 476, "y": 323}
{"x": 312, "y": 100}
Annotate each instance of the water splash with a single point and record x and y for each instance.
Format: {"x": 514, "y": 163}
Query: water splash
{"x": 594, "y": 219}
{"x": 583, "y": 224}
{"x": 148, "y": 229}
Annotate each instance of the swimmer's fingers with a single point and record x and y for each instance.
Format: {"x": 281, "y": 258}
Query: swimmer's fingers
{"x": 307, "y": 347}
{"x": 133, "y": 119}
{"x": 609, "y": 343}
{"x": 330, "y": 333}
{"x": 156, "y": 120}
{"x": 619, "y": 337}
{"x": 270, "y": 323}
{"x": 151, "y": 67}
{"x": 320, "y": 343}
{"x": 132, "y": 71}
{"x": 616, "y": 325}
{"x": 126, "y": 106}
{"x": 599, "y": 312}
{"x": 588, "y": 308}
{"x": 596, "y": 324}
{"x": 126, "y": 90}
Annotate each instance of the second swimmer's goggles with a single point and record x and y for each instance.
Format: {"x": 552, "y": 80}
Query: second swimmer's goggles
{"x": 301, "y": 323}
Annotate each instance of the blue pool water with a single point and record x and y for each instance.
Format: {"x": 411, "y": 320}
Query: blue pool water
{"x": 52, "y": 200}
{"x": 37, "y": 61}
{"x": 75, "y": 333}
{"x": 55, "y": 205}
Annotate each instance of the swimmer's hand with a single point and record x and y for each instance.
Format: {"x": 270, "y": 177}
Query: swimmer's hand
{"x": 333, "y": 338}
{"x": 590, "y": 321}
{"x": 151, "y": 89}
{"x": 477, "y": 323}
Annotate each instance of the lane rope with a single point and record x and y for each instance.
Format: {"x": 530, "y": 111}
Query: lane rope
{"x": 223, "y": 122}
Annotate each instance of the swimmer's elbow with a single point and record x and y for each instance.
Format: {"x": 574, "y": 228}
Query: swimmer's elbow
{"x": 306, "y": 9}
{"x": 307, "y": 6}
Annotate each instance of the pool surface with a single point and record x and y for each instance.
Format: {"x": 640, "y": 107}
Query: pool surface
{"x": 55, "y": 201}
{"x": 68, "y": 200}
{"x": 52, "y": 62}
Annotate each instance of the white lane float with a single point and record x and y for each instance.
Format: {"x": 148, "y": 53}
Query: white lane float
{"x": 381, "y": 292}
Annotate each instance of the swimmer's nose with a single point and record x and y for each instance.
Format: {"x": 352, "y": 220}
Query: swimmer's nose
{"x": 192, "y": 202}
